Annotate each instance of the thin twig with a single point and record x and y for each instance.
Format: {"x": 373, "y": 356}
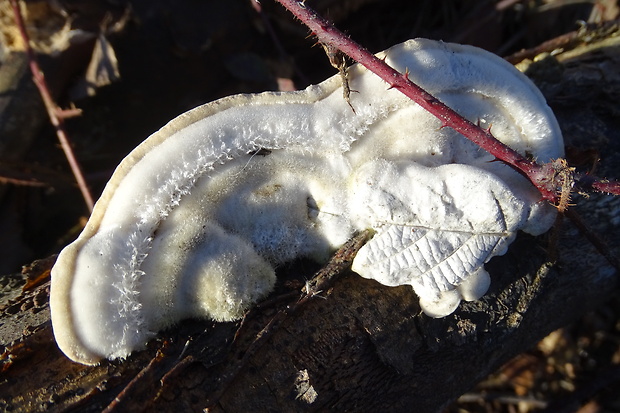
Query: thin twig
{"x": 502, "y": 398}
{"x": 598, "y": 243}
{"x": 585, "y": 34}
{"x": 56, "y": 114}
{"x": 140, "y": 389}
{"x": 543, "y": 177}
{"x": 21, "y": 182}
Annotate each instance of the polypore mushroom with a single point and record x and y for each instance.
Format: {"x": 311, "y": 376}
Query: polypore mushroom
{"x": 194, "y": 220}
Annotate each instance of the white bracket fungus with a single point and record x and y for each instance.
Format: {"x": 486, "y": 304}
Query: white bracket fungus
{"x": 194, "y": 220}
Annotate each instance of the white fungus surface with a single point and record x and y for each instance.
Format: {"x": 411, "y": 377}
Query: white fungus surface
{"x": 194, "y": 220}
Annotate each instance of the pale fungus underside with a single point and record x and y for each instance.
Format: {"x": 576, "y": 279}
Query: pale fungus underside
{"x": 195, "y": 219}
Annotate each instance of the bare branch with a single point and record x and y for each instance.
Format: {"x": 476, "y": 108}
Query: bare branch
{"x": 546, "y": 177}
{"x": 56, "y": 115}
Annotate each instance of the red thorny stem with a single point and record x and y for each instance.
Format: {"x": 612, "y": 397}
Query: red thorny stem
{"x": 56, "y": 115}
{"x": 548, "y": 178}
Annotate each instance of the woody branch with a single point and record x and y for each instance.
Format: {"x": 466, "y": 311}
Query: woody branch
{"x": 548, "y": 178}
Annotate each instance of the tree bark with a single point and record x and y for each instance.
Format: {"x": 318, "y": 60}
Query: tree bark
{"x": 357, "y": 345}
